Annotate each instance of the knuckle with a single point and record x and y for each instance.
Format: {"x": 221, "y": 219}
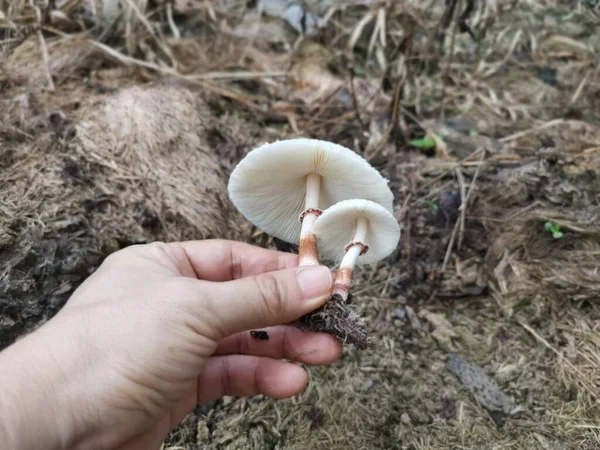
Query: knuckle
{"x": 157, "y": 250}
{"x": 272, "y": 294}
{"x": 242, "y": 344}
{"x": 115, "y": 259}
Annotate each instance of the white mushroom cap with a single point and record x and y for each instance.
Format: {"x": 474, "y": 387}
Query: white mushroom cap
{"x": 269, "y": 185}
{"x": 336, "y": 228}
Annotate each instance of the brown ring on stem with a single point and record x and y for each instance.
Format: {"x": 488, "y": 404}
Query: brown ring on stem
{"x": 316, "y": 211}
{"x": 308, "y": 252}
{"x": 365, "y": 247}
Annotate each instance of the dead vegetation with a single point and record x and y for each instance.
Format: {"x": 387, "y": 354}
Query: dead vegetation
{"x": 485, "y": 321}
{"x": 134, "y": 166}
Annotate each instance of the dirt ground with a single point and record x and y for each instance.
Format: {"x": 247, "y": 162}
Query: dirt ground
{"x": 486, "y": 120}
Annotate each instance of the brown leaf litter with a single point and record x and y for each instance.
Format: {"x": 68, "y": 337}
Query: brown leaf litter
{"x": 91, "y": 168}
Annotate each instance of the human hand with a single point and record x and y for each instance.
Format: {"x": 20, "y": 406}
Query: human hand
{"x": 156, "y": 330}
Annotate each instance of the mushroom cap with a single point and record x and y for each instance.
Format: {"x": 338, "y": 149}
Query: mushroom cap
{"x": 336, "y": 227}
{"x": 268, "y": 186}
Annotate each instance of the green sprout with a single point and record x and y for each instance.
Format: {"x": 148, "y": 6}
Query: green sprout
{"x": 431, "y": 204}
{"x": 425, "y": 142}
{"x": 554, "y": 229}
{"x": 358, "y": 71}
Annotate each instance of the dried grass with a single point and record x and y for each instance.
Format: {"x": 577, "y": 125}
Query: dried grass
{"x": 512, "y": 299}
{"x": 146, "y": 163}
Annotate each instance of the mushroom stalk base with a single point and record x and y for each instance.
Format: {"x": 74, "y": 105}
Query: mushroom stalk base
{"x": 343, "y": 281}
{"x": 337, "y": 318}
{"x": 307, "y": 251}
{"x": 345, "y": 274}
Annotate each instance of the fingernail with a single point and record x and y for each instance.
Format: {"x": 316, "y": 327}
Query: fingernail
{"x": 314, "y": 281}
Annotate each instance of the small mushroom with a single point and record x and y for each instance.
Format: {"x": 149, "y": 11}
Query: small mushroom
{"x": 355, "y": 232}
{"x": 284, "y": 186}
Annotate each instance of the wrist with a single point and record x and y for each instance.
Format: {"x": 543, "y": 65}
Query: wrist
{"x": 34, "y": 409}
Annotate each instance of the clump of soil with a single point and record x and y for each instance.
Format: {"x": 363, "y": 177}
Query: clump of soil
{"x": 67, "y": 59}
{"x": 338, "y": 318}
{"x": 106, "y": 171}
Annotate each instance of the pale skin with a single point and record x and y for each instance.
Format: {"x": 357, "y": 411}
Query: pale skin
{"x": 156, "y": 330}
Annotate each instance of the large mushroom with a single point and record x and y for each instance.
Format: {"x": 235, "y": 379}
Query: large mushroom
{"x": 355, "y": 232}
{"x": 284, "y": 186}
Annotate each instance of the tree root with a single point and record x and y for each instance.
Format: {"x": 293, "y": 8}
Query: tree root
{"x": 337, "y": 318}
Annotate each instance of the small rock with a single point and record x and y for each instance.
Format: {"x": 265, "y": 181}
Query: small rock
{"x": 399, "y": 313}
{"x": 474, "y": 378}
{"x": 6, "y": 322}
{"x": 419, "y": 417}
{"x": 401, "y": 299}
{"x": 93, "y": 259}
{"x": 443, "y": 332}
{"x": 366, "y": 385}
{"x": 405, "y": 419}
{"x": 316, "y": 416}
{"x": 449, "y": 203}
{"x": 203, "y": 431}
{"x": 449, "y": 408}
{"x": 59, "y": 123}
{"x": 110, "y": 246}
{"x": 63, "y": 289}
{"x": 302, "y": 21}
{"x": 412, "y": 317}
{"x": 227, "y": 400}
{"x": 548, "y": 75}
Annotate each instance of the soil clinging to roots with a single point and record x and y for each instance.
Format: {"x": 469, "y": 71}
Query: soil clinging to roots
{"x": 338, "y": 318}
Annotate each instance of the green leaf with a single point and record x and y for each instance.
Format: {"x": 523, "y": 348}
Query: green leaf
{"x": 425, "y": 142}
{"x": 432, "y": 204}
{"x": 554, "y": 228}
{"x": 473, "y": 132}
{"x": 358, "y": 71}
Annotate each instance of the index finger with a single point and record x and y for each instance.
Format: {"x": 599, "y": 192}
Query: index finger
{"x": 223, "y": 260}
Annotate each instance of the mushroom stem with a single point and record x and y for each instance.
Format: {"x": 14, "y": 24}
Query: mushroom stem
{"x": 345, "y": 274}
{"x": 307, "y": 252}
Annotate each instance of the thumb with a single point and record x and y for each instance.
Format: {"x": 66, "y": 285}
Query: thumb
{"x": 269, "y": 299}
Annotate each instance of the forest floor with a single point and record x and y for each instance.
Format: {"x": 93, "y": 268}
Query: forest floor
{"x": 486, "y": 320}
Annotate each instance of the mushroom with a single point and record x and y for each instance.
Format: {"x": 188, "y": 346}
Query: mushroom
{"x": 284, "y": 186}
{"x": 355, "y": 232}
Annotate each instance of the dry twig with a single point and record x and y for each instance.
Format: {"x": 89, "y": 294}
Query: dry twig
{"x": 463, "y": 211}
{"x": 42, "y": 44}
{"x": 463, "y": 201}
